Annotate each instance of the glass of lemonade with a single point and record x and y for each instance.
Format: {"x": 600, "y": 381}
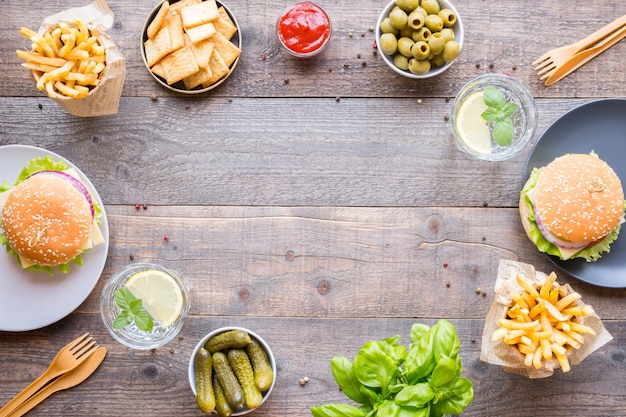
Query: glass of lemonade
{"x": 475, "y": 135}
{"x": 165, "y": 297}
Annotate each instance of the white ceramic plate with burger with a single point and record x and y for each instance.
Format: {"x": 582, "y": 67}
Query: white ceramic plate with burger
{"x": 52, "y": 260}
{"x": 594, "y": 127}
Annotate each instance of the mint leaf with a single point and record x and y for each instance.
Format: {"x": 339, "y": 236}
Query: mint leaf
{"x": 132, "y": 311}
{"x": 503, "y": 132}
{"x": 493, "y": 97}
{"x": 123, "y": 297}
{"x": 499, "y": 112}
{"x": 144, "y": 321}
{"x": 122, "y": 320}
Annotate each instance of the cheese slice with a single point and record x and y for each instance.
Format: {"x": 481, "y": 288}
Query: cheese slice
{"x": 95, "y": 238}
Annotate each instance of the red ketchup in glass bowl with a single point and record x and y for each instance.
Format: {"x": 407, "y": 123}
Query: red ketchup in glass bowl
{"x": 303, "y": 29}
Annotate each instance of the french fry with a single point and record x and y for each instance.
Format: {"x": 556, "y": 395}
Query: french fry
{"x": 67, "y": 61}
{"x": 542, "y": 323}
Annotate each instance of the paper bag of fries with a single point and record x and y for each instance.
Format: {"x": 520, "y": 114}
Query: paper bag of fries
{"x": 75, "y": 62}
{"x": 535, "y": 325}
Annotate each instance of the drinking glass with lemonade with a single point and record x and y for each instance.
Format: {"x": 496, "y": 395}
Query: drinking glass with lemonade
{"x": 144, "y": 305}
{"x": 494, "y": 117}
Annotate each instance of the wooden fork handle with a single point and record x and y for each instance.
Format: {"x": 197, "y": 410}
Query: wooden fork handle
{"x": 26, "y": 393}
{"x": 585, "y": 56}
{"x": 601, "y": 33}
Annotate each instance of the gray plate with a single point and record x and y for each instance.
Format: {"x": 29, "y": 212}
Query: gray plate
{"x": 598, "y": 126}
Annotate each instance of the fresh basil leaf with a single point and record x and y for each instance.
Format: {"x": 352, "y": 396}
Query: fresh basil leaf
{"x": 123, "y": 297}
{"x": 394, "y": 349}
{"x": 374, "y": 367}
{"x": 343, "y": 371}
{"x": 144, "y": 321}
{"x": 122, "y": 320}
{"x": 445, "y": 340}
{"x": 444, "y": 372}
{"x": 418, "y": 331}
{"x": 454, "y": 397}
{"x": 337, "y": 410}
{"x": 503, "y": 132}
{"x": 493, "y": 97}
{"x": 419, "y": 361}
{"x": 418, "y": 395}
{"x": 390, "y": 409}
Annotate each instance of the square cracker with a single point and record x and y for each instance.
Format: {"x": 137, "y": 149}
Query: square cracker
{"x": 228, "y": 51}
{"x": 218, "y": 68}
{"x": 224, "y": 27}
{"x": 157, "y": 69}
{"x": 178, "y": 65}
{"x": 198, "y": 14}
{"x": 174, "y": 25}
{"x": 201, "y": 51}
{"x": 194, "y": 80}
{"x": 158, "y": 20}
{"x": 200, "y": 33}
{"x": 158, "y": 47}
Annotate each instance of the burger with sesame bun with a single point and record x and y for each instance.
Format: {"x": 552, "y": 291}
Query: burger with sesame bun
{"x": 48, "y": 217}
{"x": 573, "y": 207}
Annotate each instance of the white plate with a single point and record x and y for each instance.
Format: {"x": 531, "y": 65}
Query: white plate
{"x": 33, "y": 299}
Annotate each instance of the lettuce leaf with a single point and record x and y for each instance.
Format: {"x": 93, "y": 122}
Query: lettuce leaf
{"x": 590, "y": 254}
{"x": 46, "y": 163}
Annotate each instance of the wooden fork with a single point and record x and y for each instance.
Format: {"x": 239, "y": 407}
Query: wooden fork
{"x": 546, "y": 64}
{"x": 67, "y": 359}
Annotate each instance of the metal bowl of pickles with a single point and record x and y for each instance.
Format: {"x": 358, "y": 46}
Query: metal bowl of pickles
{"x": 419, "y": 38}
{"x": 232, "y": 371}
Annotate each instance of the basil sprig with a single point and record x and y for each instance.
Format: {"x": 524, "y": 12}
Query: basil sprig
{"x": 500, "y": 113}
{"x": 132, "y": 311}
{"x": 386, "y": 380}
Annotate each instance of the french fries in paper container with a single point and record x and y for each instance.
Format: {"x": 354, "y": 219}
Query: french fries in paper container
{"x": 535, "y": 325}
{"x": 74, "y": 62}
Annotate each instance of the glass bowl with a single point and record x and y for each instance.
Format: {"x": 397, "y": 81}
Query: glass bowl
{"x": 309, "y": 41}
{"x": 524, "y": 119}
{"x": 264, "y": 345}
{"x": 389, "y": 60}
{"x": 131, "y": 336}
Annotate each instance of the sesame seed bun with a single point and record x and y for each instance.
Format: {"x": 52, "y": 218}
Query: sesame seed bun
{"x": 579, "y": 198}
{"x": 47, "y": 220}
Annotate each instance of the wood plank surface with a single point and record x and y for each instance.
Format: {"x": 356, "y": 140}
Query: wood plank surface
{"x": 321, "y": 203}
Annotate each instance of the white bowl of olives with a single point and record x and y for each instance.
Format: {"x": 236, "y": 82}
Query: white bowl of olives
{"x": 419, "y": 38}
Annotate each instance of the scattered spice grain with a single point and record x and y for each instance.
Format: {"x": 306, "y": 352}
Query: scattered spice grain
{"x": 153, "y": 97}
{"x": 40, "y": 106}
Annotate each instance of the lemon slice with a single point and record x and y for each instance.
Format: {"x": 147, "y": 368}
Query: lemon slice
{"x": 160, "y": 295}
{"x": 471, "y": 126}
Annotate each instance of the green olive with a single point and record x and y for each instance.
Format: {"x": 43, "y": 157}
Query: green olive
{"x": 407, "y": 32}
{"x": 398, "y": 18}
{"x": 419, "y": 67}
{"x": 438, "y": 61}
{"x": 401, "y": 61}
{"x": 431, "y": 6}
{"x": 448, "y": 17}
{"x": 388, "y": 43}
{"x": 387, "y": 27}
{"x": 420, "y": 50}
{"x": 422, "y": 11}
{"x": 448, "y": 34}
{"x": 416, "y": 20}
{"x": 451, "y": 51}
{"x": 436, "y": 43}
{"x": 404, "y": 46}
{"x": 422, "y": 35}
{"x": 407, "y": 5}
{"x": 434, "y": 23}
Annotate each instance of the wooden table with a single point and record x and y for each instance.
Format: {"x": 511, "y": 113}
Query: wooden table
{"x": 320, "y": 203}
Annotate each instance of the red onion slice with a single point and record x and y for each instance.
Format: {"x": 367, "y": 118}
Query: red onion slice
{"x": 555, "y": 240}
{"x": 75, "y": 182}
